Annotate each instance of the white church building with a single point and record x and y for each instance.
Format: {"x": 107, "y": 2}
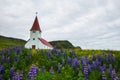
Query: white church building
{"x": 36, "y": 41}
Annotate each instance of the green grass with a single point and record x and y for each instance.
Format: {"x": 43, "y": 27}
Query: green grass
{"x": 6, "y": 42}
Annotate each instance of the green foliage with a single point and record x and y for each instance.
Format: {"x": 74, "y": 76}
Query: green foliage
{"x": 6, "y": 42}
{"x": 62, "y": 44}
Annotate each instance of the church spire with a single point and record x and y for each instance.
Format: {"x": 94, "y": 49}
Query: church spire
{"x": 36, "y": 25}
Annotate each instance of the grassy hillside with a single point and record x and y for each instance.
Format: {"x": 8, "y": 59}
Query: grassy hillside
{"x": 62, "y": 44}
{"x": 8, "y": 41}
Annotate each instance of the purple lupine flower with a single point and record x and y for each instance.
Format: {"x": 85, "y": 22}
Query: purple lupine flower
{"x": 51, "y": 70}
{"x": 83, "y": 60}
{"x": 89, "y": 68}
{"x": 111, "y": 57}
{"x": 104, "y": 75}
{"x": 99, "y": 57}
{"x": 63, "y": 62}
{"x": 93, "y": 57}
{"x": 75, "y": 62}
{"x": 103, "y": 68}
{"x": 113, "y": 75}
{"x": 93, "y": 66}
{"x": 69, "y": 60}
{"x": 55, "y": 49}
{"x": 12, "y": 72}
{"x": 110, "y": 69}
{"x": 33, "y": 72}
{"x": 85, "y": 67}
{"x": 2, "y": 69}
{"x": 59, "y": 70}
{"x": 97, "y": 62}
{"x": 18, "y": 76}
{"x": 43, "y": 68}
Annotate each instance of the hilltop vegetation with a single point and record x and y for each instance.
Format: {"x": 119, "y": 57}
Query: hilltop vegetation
{"x": 6, "y": 42}
{"x": 62, "y": 44}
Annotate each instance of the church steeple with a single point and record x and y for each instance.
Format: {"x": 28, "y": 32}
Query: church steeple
{"x": 35, "y": 25}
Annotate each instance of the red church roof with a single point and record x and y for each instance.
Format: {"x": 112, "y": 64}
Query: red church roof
{"x": 45, "y": 42}
{"x": 35, "y": 25}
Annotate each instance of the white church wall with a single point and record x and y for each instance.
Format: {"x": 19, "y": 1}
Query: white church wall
{"x": 37, "y": 43}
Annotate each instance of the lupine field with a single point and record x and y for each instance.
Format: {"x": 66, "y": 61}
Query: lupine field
{"x": 17, "y": 63}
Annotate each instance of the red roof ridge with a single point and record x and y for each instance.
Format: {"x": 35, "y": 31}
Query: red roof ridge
{"x": 45, "y": 42}
{"x": 35, "y": 25}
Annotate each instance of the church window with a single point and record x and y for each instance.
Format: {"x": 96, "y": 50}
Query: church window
{"x": 33, "y": 38}
{"x": 33, "y": 31}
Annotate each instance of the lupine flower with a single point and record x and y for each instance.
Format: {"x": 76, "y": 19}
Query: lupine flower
{"x": 93, "y": 57}
{"x": 104, "y": 75}
{"x": 110, "y": 69}
{"x": 1, "y": 69}
{"x": 18, "y": 76}
{"x": 113, "y": 75}
{"x": 33, "y": 72}
{"x": 69, "y": 60}
{"x": 94, "y": 66}
{"x": 99, "y": 57}
{"x": 12, "y": 72}
{"x": 89, "y": 68}
{"x": 63, "y": 62}
{"x": 97, "y": 62}
{"x": 103, "y": 68}
{"x": 55, "y": 49}
{"x": 59, "y": 70}
{"x": 43, "y": 68}
{"x": 111, "y": 57}
{"x": 75, "y": 62}
{"x": 51, "y": 70}
{"x": 85, "y": 67}
{"x": 84, "y": 60}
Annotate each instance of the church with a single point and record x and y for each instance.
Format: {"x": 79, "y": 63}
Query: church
{"x": 36, "y": 41}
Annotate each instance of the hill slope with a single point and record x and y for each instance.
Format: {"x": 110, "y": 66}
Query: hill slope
{"x": 62, "y": 44}
{"x": 8, "y": 41}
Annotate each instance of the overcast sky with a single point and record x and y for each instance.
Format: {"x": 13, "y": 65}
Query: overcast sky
{"x": 91, "y": 24}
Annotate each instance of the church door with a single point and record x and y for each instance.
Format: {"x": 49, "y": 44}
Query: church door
{"x": 33, "y": 46}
